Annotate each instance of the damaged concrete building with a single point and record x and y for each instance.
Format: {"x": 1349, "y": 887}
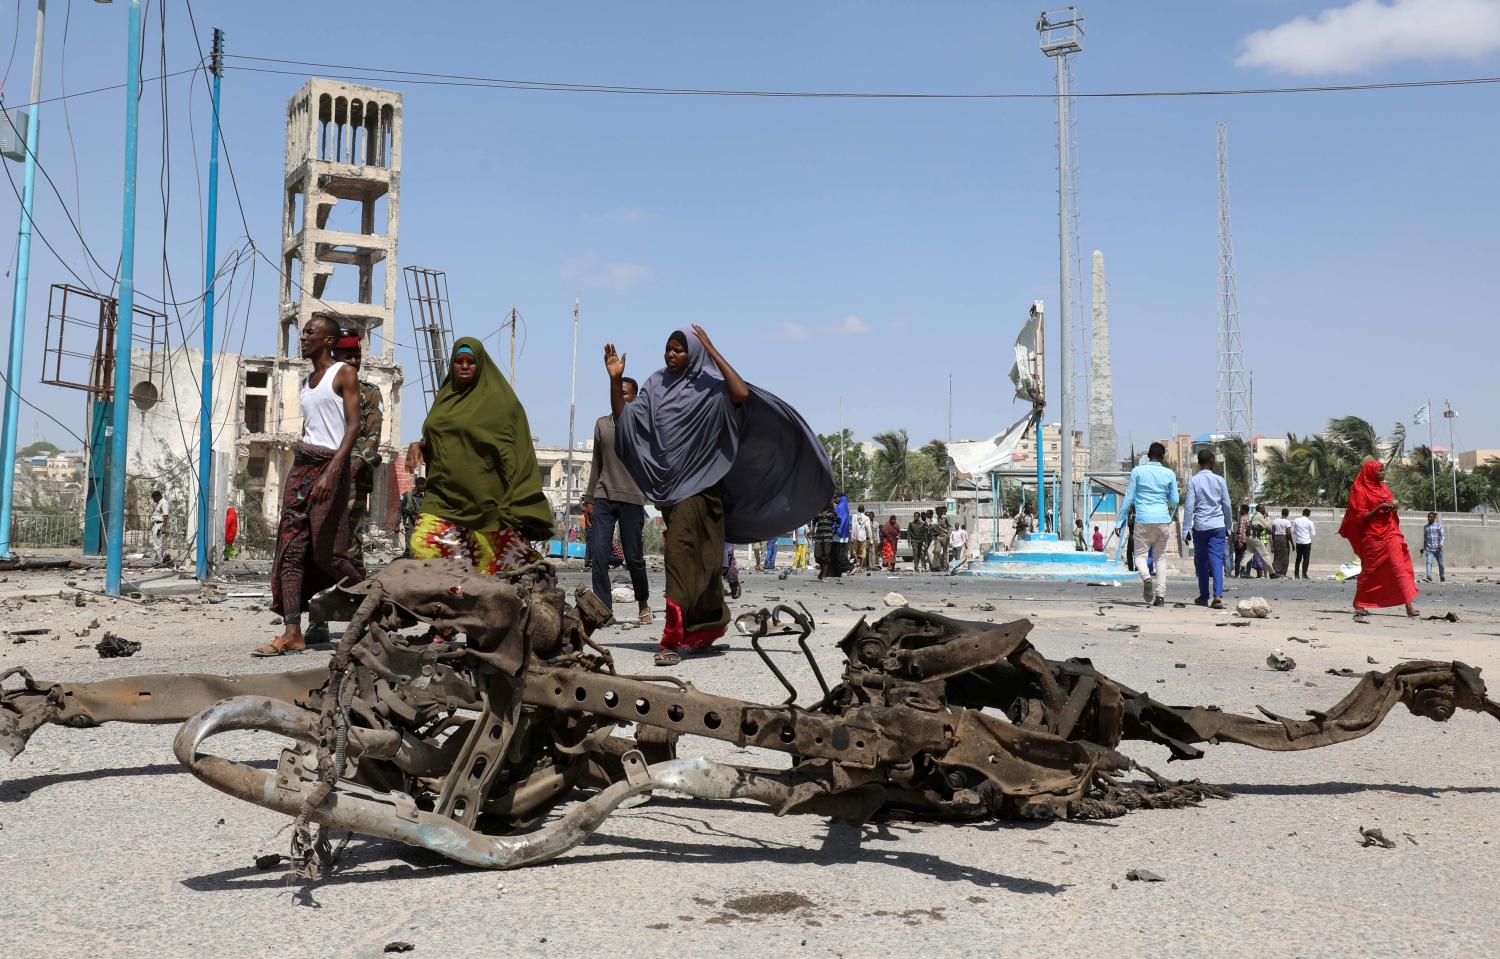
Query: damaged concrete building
{"x": 339, "y": 223}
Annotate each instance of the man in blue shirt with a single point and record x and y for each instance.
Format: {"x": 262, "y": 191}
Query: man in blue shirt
{"x": 1153, "y": 493}
{"x": 1209, "y": 515}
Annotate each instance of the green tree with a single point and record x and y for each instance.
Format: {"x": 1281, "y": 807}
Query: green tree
{"x": 39, "y": 448}
{"x": 850, "y": 462}
{"x": 892, "y": 476}
{"x": 1236, "y": 469}
{"x": 927, "y": 480}
{"x": 1486, "y": 476}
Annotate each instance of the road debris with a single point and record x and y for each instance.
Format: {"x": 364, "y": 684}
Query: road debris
{"x": 269, "y": 861}
{"x": 909, "y": 719}
{"x": 30, "y": 634}
{"x": 1372, "y": 660}
{"x": 116, "y": 647}
{"x": 1255, "y": 607}
{"x": 1125, "y": 628}
{"x": 399, "y": 946}
{"x": 1281, "y": 662}
{"x": 985, "y": 606}
{"x": 1445, "y": 618}
{"x": 1374, "y": 837}
{"x": 1144, "y": 875}
{"x": 894, "y": 600}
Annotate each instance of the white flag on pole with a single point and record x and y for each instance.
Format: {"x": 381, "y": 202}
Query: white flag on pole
{"x": 1419, "y": 418}
{"x": 1025, "y": 373}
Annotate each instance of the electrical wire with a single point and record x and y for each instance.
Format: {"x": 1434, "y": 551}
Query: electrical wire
{"x": 557, "y": 86}
{"x": 15, "y": 39}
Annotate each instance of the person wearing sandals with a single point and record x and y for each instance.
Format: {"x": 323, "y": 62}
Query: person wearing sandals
{"x": 312, "y": 535}
{"x": 611, "y": 498}
{"x": 724, "y": 461}
{"x": 484, "y": 502}
{"x": 1386, "y": 575}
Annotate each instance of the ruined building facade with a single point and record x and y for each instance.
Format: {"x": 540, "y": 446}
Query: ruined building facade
{"x": 340, "y": 217}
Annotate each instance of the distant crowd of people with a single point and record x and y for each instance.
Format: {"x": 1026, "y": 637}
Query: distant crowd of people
{"x": 1252, "y": 543}
{"x": 725, "y": 462}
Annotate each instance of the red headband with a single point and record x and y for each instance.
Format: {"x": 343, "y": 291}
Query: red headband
{"x": 350, "y": 342}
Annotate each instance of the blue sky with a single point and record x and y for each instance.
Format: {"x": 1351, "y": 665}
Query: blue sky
{"x": 857, "y": 248}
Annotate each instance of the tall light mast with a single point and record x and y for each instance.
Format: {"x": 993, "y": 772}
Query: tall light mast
{"x": 1061, "y": 36}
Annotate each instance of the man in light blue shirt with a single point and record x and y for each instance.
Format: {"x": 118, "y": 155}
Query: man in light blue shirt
{"x": 1209, "y": 515}
{"x": 1153, "y": 494}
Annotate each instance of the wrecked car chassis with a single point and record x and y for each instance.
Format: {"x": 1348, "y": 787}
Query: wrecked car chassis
{"x": 465, "y": 748}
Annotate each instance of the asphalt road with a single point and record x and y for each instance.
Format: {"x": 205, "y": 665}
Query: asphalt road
{"x": 108, "y": 848}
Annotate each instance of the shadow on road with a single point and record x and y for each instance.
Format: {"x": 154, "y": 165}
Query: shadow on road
{"x": 1347, "y": 789}
{"x": 842, "y": 843}
{"x": 18, "y": 789}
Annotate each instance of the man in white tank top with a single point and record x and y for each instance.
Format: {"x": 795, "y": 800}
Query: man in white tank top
{"x": 312, "y": 537}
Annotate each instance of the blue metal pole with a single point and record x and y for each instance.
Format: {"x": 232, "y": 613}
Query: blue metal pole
{"x": 18, "y": 303}
{"x": 1041, "y": 482}
{"x": 210, "y": 268}
{"x": 125, "y": 315}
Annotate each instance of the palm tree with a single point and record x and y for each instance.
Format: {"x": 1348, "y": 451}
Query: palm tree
{"x": 1237, "y": 469}
{"x": 892, "y": 478}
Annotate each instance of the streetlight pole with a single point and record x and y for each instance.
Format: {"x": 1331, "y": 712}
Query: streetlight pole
{"x": 572, "y": 410}
{"x": 1450, "y": 415}
{"x": 1061, "y": 35}
{"x": 205, "y": 413}
{"x": 125, "y": 314}
{"x": 18, "y": 302}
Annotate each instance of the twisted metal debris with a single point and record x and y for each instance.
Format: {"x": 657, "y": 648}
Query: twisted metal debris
{"x": 465, "y": 748}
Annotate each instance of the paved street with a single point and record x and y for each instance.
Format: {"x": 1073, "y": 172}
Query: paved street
{"x": 109, "y": 848}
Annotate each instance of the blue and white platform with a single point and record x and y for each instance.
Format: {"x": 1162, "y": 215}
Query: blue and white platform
{"x": 1041, "y": 556}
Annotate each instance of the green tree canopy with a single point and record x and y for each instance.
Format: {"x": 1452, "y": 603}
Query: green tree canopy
{"x": 851, "y": 465}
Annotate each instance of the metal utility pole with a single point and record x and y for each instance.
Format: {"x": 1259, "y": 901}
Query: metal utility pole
{"x": 1450, "y": 415}
{"x": 126, "y": 313}
{"x": 210, "y": 269}
{"x": 1431, "y": 459}
{"x": 514, "y": 317}
{"x": 1061, "y": 36}
{"x": 572, "y": 411}
{"x": 950, "y": 431}
{"x": 18, "y": 303}
{"x": 1233, "y": 391}
{"x": 843, "y": 476}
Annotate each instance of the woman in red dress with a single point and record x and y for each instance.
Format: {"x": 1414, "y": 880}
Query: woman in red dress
{"x": 1386, "y": 577}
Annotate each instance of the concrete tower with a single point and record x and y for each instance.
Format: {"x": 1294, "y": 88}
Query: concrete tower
{"x": 1103, "y": 454}
{"x": 343, "y": 143}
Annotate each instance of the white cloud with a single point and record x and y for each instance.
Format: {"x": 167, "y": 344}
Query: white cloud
{"x": 617, "y": 275}
{"x": 851, "y": 325}
{"x": 790, "y": 333}
{"x": 1368, "y": 34}
{"x": 628, "y": 214}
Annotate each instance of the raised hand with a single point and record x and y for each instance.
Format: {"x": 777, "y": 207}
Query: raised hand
{"x": 708, "y": 345}
{"x": 614, "y": 363}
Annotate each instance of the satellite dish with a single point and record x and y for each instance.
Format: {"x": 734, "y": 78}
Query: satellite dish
{"x": 144, "y": 395}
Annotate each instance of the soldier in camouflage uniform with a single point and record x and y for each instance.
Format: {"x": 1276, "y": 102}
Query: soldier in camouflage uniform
{"x": 939, "y": 530}
{"x": 916, "y": 535}
{"x": 365, "y": 456}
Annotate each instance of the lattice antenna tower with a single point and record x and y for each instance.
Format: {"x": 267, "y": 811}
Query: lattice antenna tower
{"x": 1233, "y": 387}
{"x": 432, "y": 322}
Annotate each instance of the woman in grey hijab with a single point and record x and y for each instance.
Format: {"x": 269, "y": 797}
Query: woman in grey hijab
{"x": 722, "y": 459}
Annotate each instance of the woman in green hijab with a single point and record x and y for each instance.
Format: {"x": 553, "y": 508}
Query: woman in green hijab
{"x": 484, "y": 501}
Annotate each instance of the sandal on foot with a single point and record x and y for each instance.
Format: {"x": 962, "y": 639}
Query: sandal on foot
{"x": 667, "y": 658}
{"x": 1414, "y": 613}
{"x": 276, "y": 647}
{"x": 646, "y": 618}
